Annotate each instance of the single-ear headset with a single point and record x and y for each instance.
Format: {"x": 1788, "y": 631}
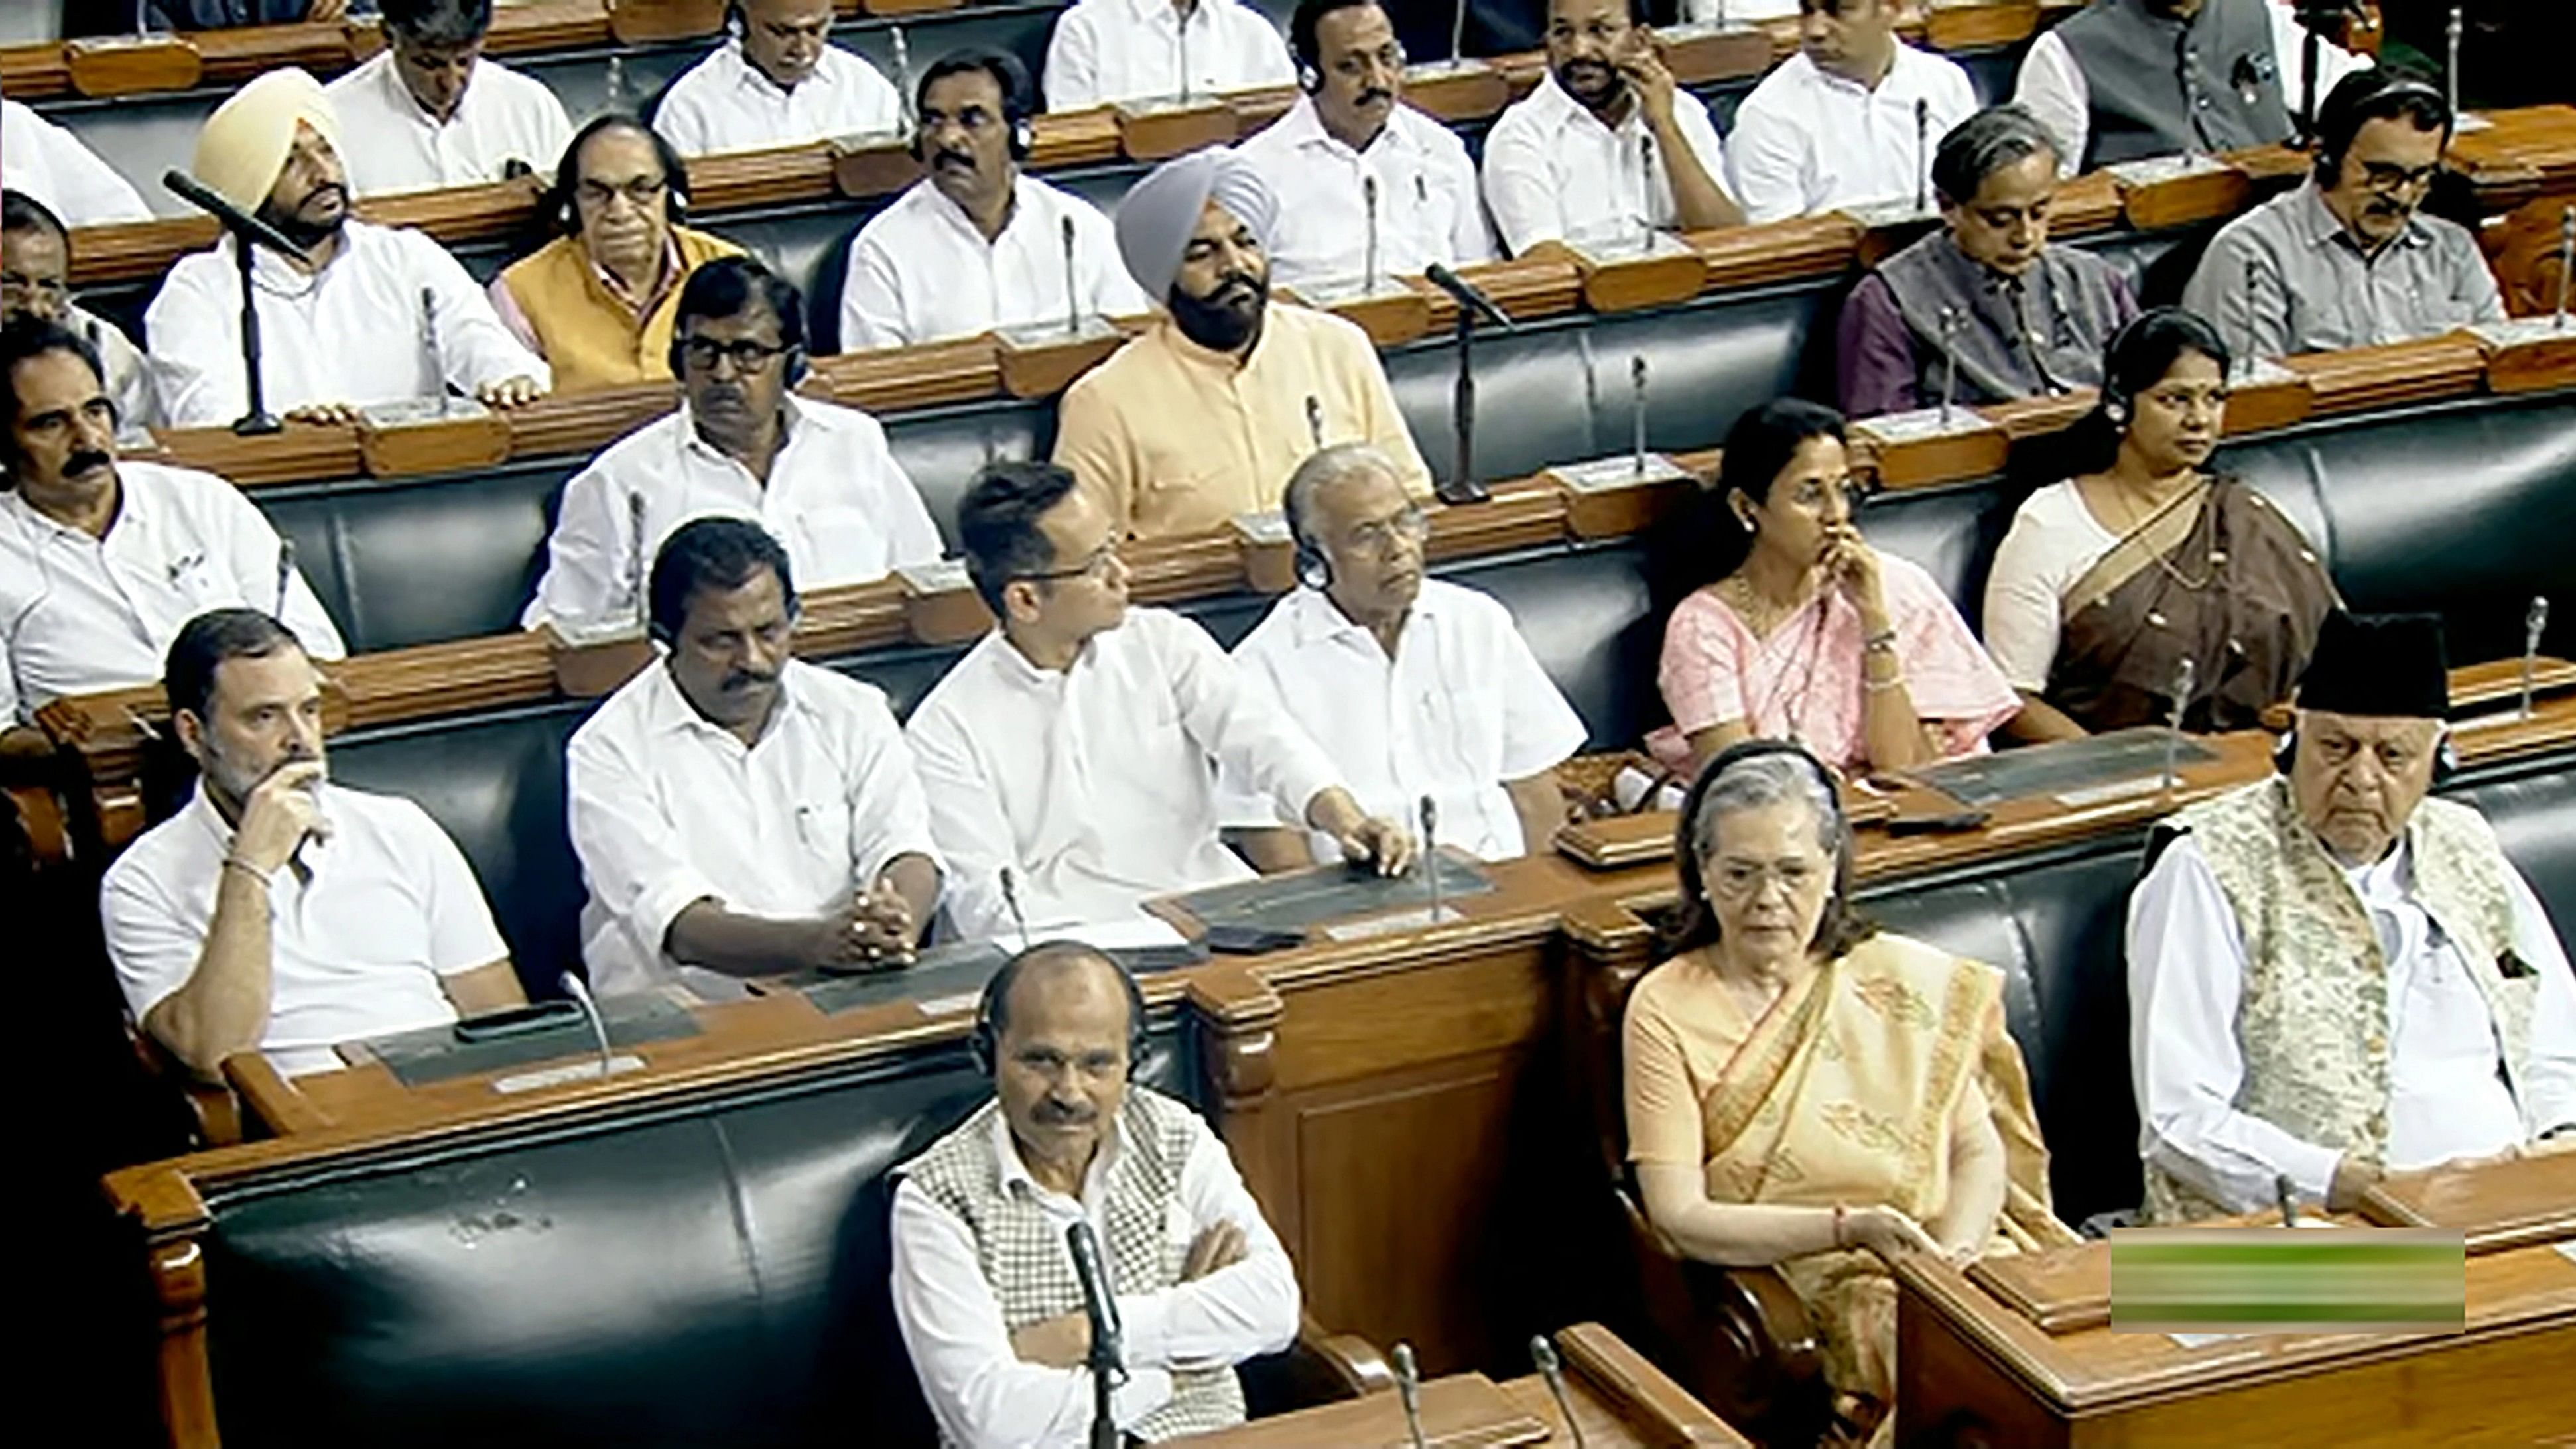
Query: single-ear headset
{"x": 984, "y": 1041}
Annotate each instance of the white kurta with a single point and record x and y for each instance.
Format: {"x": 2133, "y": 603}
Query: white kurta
{"x": 1096, "y": 786}
{"x": 85, "y": 614}
{"x": 50, "y": 164}
{"x": 390, "y": 144}
{"x": 355, "y": 333}
{"x": 1462, "y": 708}
{"x": 725, "y": 103}
{"x": 1807, "y": 140}
{"x": 2447, "y": 1095}
{"x": 130, "y": 378}
{"x": 357, "y": 942}
{"x": 1428, "y": 209}
{"x": 921, "y": 271}
{"x": 836, "y": 500}
{"x": 669, "y": 809}
{"x": 1553, "y": 171}
{"x": 1105, "y": 51}
{"x": 985, "y": 1397}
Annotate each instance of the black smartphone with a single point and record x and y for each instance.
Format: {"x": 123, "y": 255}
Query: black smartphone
{"x": 1251, "y": 940}
{"x": 536, "y": 1016}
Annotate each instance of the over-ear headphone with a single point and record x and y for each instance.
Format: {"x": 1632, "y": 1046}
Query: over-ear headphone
{"x": 794, "y": 359}
{"x": 984, "y": 1041}
{"x": 1309, "y": 79}
{"x": 2446, "y": 757}
{"x": 2358, "y": 99}
{"x": 1008, "y": 74}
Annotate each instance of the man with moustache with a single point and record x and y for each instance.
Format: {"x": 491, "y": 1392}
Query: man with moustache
{"x": 102, "y": 560}
{"x": 277, "y": 911}
{"x": 740, "y": 813}
{"x": 1608, "y": 145}
{"x": 1350, "y": 137}
{"x": 776, "y": 81}
{"x": 1204, "y": 416}
{"x": 985, "y": 1291}
{"x": 2031, "y": 319}
{"x": 366, "y": 314}
{"x": 597, "y": 303}
{"x": 430, "y": 110}
{"x": 817, "y": 475}
{"x": 1074, "y": 750}
{"x": 2332, "y": 976}
{"x": 1413, "y": 686}
{"x": 2128, "y": 79}
{"x": 2349, "y": 259}
{"x": 1835, "y": 125}
{"x": 36, "y": 281}
{"x": 1106, "y": 51}
{"x": 978, "y": 243}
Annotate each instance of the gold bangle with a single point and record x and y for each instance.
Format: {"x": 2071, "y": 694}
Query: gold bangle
{"x": 1881, "y": 686}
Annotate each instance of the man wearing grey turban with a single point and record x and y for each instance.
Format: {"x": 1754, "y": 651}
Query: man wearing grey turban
{"x": 1203, "y": 417}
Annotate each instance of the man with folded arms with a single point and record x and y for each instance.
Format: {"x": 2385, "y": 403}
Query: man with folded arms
{"x": 1204, "y": 417}
{"x": 776, "y": 81}
{"x": 739, "y": 812}
{"x": 366, "y": 314}
{"x": 817, "y": 475}
{"x": 1075, "y": 747}
{"x": 986, "y": 1295}
{"x": 431, "y": 111}
{"x": 1413, "y": 687}
{"x": 276, "y": 910}
{"x": 2332, "y": 976}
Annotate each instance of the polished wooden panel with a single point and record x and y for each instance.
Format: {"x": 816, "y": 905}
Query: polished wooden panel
{"x": 2495, "y": 1205}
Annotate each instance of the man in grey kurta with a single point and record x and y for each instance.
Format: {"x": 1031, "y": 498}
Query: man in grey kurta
{"x": 2349, "y": 259}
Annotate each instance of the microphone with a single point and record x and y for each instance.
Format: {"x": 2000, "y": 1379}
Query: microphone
{"x": 286, "y": 572}
{"x": 2566, "y": 264}
{"x": 1645, "y": 192}
{"x": 905, "y": 120}
{"x": 1408, "y": 1389}
{"x": 1181, "y": 46}
{"x": 1637, "y": 414}
{"x": 1315, "y": 421}
{"x": 2253, "y": 279}
{"x": 2534, "y": 620}
{"x": 429, "y": 348}
{"x": 2184, "y": 674}
{"x": 196, "y": 193}
{"x": 1011, "y": 899}
{"x": 1368, "y": 203}
{"x": 635, "y": 564}
{"x": 1458, "y": 36}
{"x": 1101, "y": 1307}
{"x": 580, "y": 994}
{"x": 2288, "y": 1199}
{"x": 1468, "y": 296}
{"x": 1543, "y": 1354}
{"x": 1922, "y": 160}
{"x": 2451, "y": 69}
{"x": 1430, "y": 812}
{"x": 1949, "y": 362}
{"x": 1072, "y": 289}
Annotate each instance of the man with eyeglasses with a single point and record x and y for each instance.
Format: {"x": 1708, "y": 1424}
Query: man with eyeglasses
{"x": 1358, "y": 173}
{"x": 430, "y": 111}
{"x": 597, "y": 302}
{"x": 2349, "y": 259}
{"x": 1413, "y": 686}
{"x": 1070, "y": 758}
{"x": 776, "y": 81}
{"x": 35, "y": 281}
{"x": 817, "y": 475}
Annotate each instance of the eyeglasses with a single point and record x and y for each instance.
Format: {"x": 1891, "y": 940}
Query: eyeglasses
{"x": 48, "y": 289}
{"x": 1095, "y": 567}
{"x": 1812, "y": 493}
{"x": 1379, "y": 536}
{"x": 1738, "y": 880}
{"x": 2393, "y": 180}
{"x": 700, "y": 354}
{"x": 641, "y": 193}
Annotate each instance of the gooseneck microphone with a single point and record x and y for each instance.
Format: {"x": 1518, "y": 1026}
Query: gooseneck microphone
{"x": 256, "y": 420}
{"x": 580, "y": 994}
{"x": 1543, "y": 1354}
{"x": 1101, "y": 1307}
{"x": 1468, "y": 296}
{"x": 1430, "y": 812}
{"x": 1408, "y": 1389}
{"x": 1011, "y": 900}
{"x": 1072, "y": 288}
{"x": 285, "y": 573}
{"x": 198, "y": 194}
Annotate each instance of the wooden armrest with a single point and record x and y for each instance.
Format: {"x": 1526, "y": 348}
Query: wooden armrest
{"x": 1346, "y": 1358}
{"x": 1738, "y": 1338}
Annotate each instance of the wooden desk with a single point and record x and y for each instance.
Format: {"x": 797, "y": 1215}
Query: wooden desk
{"x": 1973, "y": 1370}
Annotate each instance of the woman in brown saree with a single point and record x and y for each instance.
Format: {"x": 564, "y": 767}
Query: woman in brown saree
{"x": 2109, "y": 581}
{"x": 1806, "y": 1093}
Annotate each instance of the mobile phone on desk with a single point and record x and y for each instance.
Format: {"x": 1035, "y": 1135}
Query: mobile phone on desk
{"x": 513, "y": 1021}
{"x": 1234, "y": 940}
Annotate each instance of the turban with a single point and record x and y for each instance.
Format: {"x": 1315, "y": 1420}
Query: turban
{"x": 2379, "y": 664}
{"x": 1160, "y": 212}
{"x": 245, "y": 142}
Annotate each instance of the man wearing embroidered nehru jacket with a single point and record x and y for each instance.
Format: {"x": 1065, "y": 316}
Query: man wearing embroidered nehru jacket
{"x": 738, "y": 812}
{"x": 431, "y": 111}
{"x": 2332, "y": 976}
{"x": 1204, "y": 416}
{"x": 986, "y": 1294}
{"x": 776, "y": 81}
{"x": 365, "y": 314}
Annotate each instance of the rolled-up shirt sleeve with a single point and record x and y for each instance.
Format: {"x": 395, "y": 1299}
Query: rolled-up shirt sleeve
{"x": 1239, "y": 1311}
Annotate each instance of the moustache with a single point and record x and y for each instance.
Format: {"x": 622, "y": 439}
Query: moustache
{"x": 1236, "y": 284}
{"x": 1376, "y": 95}
{"x": 954, "y": 158}
{"x": 331, "y": 189}
{"x": 739, "y": 680}
{"x": 1055, "y": 1116}
{"x": 85, "y": 460}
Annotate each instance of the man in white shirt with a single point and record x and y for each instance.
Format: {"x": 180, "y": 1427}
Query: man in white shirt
{"x": 102, "y": 561}
{"x": 2331, "y": 976}
{"x": 1415, "y": 688}
{"x": 778, "y": 81}
{"x": 36, "y": 281}
{"x": 737, "y": 812}
{"x": 1850, "y": 120}
{"x": 2133, "y": 78}
{"x": 367, "y": 314}
{"x": 1360, "y": 175}
{"x": 277, "y": 911}
{"x": 1107, "y": 51}
{"x": 1075, "y": 747}
{"x": 430, "y": 111}
{"x": 817, "y": 475}
{"x": 1608, "y": 145}
{"x": 50, "y": 164}
{"x": 978, "y": 243}
{"x": 985, "y": 1292}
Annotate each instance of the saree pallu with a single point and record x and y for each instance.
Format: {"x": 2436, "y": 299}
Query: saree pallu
{"x": 2216, "y": 576}
{"x": 1844, "y": 1093}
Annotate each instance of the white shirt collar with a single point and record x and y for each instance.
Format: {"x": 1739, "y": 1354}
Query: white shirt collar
{"x": 1559, "y": 110}
{"x": 799, "y": 421}
{"x": 947, "y": 210}
{"x": 129, "y": 509}
{"x": 1316, "y": 617}
{"x": 751, "y": 77}
{"x": 668, "y": 712}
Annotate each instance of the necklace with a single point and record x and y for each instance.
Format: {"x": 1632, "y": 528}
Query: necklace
{"x": 2134, "y": 518}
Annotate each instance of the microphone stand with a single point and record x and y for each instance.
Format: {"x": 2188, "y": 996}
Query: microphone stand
{"x": 256, "y": 420}
{"x": 590, "y": 1013}
{"x": 1462, "y": 486}
{"x": 2184, "y": 675}
{"x": 2534, "y": 623}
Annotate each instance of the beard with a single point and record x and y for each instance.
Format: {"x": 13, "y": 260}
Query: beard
{"x": 295, "y": 228}
{"x": 1222, "y": 321}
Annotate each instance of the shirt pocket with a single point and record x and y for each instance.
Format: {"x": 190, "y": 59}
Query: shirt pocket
{"x": 844, "y": 545}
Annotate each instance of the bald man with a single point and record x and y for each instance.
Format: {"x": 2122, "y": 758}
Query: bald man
{"x": 364, "y": 314}
{"x": 1204, "y": 416}
{"x": 984, "y": 1286}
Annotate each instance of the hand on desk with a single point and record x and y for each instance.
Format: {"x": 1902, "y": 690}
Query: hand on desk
{"x": 510, "y": 392}
{"x": 324, "y": 414}
{"x": 874, "y": 929}
{"x": 1888, "y": 1232}
{"x": 2353, "y": 1176}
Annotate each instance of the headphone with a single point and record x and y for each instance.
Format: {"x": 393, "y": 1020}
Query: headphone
{"x": 1685, "y": 849}
{"x": 1302, "y": 39}
{"x": 2340, "y": 115}
{"x": 1007, "y": 72}
{"x": 675, "y": 172}
{"x": 984, "y": 1041}
{"x": 2446, "y": 756}
{"x": 798, "y": 366}
{"x": 1314, "y": 566}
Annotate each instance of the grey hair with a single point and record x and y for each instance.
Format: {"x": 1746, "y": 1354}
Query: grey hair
{"x": 1985, "y": 143}
{"x": 1329, "y": 465}
{"x": 1764, "y": 780}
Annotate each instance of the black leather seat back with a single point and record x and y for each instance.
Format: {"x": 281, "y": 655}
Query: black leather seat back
{"x": 418, "y": 561}
{"x": 940, "y": 448}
